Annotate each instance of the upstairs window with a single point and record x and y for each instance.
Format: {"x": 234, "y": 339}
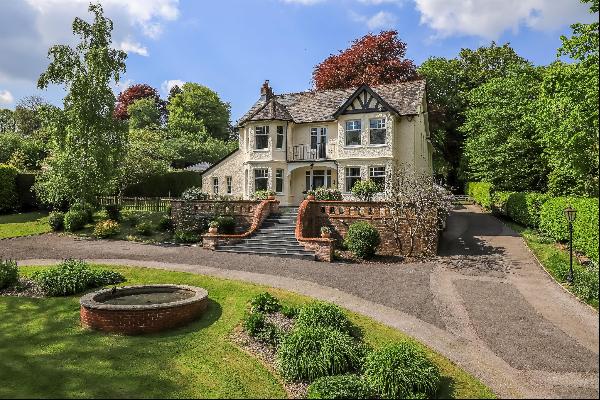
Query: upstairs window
{"x": 216, "y": 185}
{"x": 229, "y": 184}
{"x": 280, "y": 136}
{"x": 279, "y": 181}
{"x": 261, "y": 179}
{"x": 353, "y": 132}
{"x": 377, "y": 131}
{"x": 377, "y": 175}
{"x": 261, "y": 137}
{"x": 352, "y": 176}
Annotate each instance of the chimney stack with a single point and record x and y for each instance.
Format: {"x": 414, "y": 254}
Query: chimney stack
{"x": 266, "y": 93}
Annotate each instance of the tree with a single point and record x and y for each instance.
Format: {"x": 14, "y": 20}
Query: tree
{"x": 7, "y": 121}
{"x": 88, "y": 141}
{"x": 449, "y": 82}
{"x": 191, "y": 148}
{"x": 144, "y": 113}
{"x": 372, "y": 60}
{"x": 198, "y": 109}
{"x": 26, "y": 115}
{"x": 137, "y": 92}
{"x": 502, "y": 141}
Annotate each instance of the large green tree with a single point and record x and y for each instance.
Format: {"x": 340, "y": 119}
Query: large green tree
{"x": 197, "y": 109}
{"x": 502, "y": 143}
{"x": 88, "y": 141}
{"x": 568, "y": 113}
{"x": 449, "y": 82}
{"x": 7, "y": 120}
{"x": 144, "y": 113}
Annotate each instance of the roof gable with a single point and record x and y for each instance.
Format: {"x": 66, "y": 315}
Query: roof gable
{"x": 363, "y": 100}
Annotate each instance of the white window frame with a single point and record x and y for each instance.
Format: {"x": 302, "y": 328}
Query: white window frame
{"x": 229, "y": 182}
{"x": 354, "y": 130}
{"x": 381, "y": 126}
{"x": 279, "y": 179}
{"x": 280, "y": 134}
{"x": 264, "y": 133}
{"x": 266, "y": 178}
{"x": 378, "y": 176}
{"x": 346, "y": 176}
{"x": 215, "y": 180}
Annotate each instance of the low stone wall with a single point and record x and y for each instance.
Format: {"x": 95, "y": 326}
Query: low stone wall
{"x": 242, "y": 211}
{"x": 339, "y": 215}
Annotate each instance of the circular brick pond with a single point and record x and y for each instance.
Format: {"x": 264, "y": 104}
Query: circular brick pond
{"x": 133, "y": 310}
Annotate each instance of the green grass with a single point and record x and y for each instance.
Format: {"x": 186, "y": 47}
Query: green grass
{"x": 45, "y": 353}
{"x": 15, "y": 225}
{"x": 556, "y": 261}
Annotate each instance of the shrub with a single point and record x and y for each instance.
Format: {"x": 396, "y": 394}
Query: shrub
{"x": 56, "y": 220}
{"x": 362, "y": 239}
{"x": 524, "y": 207}
{"x": 255, "y": 325}
{"x": 263, "y": 194}
{"x": 325, "y": 194}
{"x": 226, "y": 224}
{"x": 265, "y": 302}
{"x": 365, "y": 189}
{"x": 73, "y": 276}
{"x": 324, "y": 314}
{"x": 144, "y": 228}
{"x": 498, "y": 202}
{"x": 86, "y": 209}
{"x": 310, "y": 353}
{"x": 290, "y": 311}
{"x": 181, "y": 236}
{"x": 9, "y": 273}
{"x": 105, "y": 229}
{"x": 194, "y": 193}
{"x": 74, "y": 220}
{"x": 480, "y": 192}
{"x": 165, "y": 223}
{"x": 8, "y": 188}
{"x": 401, "y": 370}
{"x": 553, "y": 223}
{"x": 253, "y": 322}
{"x": 348, "y": 386}
{"x": 113, "y": 211}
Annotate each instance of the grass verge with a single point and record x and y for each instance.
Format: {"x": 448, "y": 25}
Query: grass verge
{"x": 24, "y": 224}
{"x": 45, "y": 353}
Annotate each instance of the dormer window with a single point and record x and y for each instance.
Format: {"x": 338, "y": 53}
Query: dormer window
{"x": 353, "y": 132}
{"x": 261, "y": 137}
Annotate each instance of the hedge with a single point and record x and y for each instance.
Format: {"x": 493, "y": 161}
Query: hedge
{"x": 8, "y": 188}
{"x": 172, "y": 183}
{"x": 553, "y": 223}
{"x": 524, "y": 207}
{"x": 498, "y": 200}
{"x": 480, "y": 192}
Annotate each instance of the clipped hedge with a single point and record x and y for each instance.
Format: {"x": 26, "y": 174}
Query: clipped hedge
{"x": 499, "y": 200}
{"x": 8, "y": 188}
{"x": 553, "y": 223}
{"x": 480, "y": 192}
{"x": 524, "y": 207}
{"x": 172, "y": 183}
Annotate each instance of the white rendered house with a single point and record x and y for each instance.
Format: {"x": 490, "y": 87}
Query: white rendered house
{"x": 291, "y": 143}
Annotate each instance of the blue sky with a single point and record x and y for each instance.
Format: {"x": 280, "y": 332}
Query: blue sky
{"x": 232, "y": 46}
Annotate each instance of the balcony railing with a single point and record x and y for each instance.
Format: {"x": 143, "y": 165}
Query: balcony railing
{"x": 305, "y": 152}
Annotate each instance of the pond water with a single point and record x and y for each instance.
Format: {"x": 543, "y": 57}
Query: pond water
{"x": 138, "y": 299}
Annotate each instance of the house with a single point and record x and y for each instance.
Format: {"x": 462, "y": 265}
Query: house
{"x": 291, "y": 143}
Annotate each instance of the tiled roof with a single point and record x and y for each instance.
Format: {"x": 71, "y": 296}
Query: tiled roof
{"x": 320, "y": 105}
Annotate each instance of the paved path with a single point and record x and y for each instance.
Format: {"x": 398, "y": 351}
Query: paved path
{"x": 485, "y": 303}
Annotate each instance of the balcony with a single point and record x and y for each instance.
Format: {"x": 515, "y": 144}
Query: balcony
{"x": 316, "y": 152}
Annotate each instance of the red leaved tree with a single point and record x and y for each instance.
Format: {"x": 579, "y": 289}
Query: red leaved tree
{"x": 133, "y": 93}
{"x": 372, "y": 60}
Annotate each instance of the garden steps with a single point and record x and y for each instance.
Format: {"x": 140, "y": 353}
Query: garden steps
{"x": 275, "y": 237}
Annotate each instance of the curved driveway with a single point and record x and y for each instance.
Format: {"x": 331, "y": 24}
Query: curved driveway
{"x": 484, "y": 303}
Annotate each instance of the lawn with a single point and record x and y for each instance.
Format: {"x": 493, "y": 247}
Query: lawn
{"x": 556, "y": 261}
{"x": 15, "y": 225}
{"x": 45, "y": 353}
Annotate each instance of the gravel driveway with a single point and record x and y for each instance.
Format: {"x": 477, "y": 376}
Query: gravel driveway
{"x": 484, "y": 302}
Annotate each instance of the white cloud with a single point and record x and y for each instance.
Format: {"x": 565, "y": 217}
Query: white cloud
{"x": 130, "y": 46}
{"x": 122, "y": 85}
{"x": 166, "y": 86}
{"x": 6, "y": 97}
{"x": 490, "y": 18}
{"x": 378, "y": 21}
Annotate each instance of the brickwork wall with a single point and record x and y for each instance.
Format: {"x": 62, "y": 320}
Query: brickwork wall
{"x": 134, "y": 322}
{"x": 340, "y": 215}
{"x": 242, "y": 211}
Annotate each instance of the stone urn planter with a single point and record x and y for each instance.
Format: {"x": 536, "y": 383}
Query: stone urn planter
{"x": 271, "y": 197}
{"x": 325, "y": 232}
{"x": 213, "y": 230}
{"x": 310, "y": 197}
